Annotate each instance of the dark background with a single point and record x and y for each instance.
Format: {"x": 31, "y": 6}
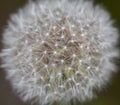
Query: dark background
{"x": 109, "y": 95}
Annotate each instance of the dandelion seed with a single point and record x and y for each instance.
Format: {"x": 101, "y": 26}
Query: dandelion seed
{"x": 62, "y": 61}
{"x": 47, "y": 34}
{"x": 54, "y": 27}
{"x": 63, "y": 28}
{"x": 72, "y": 41}
{"x": 81, "y": 46}
{"x": 74, "y": 55}
{"x": 46, "y": 66}
{"x": 54, "y": 53}
{"x": 69, "y": 68}
{"x": 45, "y": 52}
{"x": 42, "y": 42}
{"x": 62, "y": 36}
{"x": 73, "y": 35}
{"x": 53, "y": 64}
{"x": 72, "y": 26}
{"x": 65, "y": 47}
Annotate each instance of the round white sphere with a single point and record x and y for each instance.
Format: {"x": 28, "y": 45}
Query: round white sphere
{"x": 59, "y": 50}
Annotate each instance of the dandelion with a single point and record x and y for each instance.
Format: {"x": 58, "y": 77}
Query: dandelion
{"x": 59, "y": 50}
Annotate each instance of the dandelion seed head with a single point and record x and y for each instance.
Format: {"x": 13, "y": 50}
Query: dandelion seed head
{"x": 59, "y": 50}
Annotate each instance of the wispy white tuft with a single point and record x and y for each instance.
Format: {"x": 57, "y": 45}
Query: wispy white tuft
{"x": 58, "y": 50}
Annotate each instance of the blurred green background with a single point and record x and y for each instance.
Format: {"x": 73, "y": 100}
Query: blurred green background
{"x": 110, "y": 95}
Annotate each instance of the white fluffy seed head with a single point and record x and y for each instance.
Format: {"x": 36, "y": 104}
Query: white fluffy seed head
{"x": 59, "y": 50}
